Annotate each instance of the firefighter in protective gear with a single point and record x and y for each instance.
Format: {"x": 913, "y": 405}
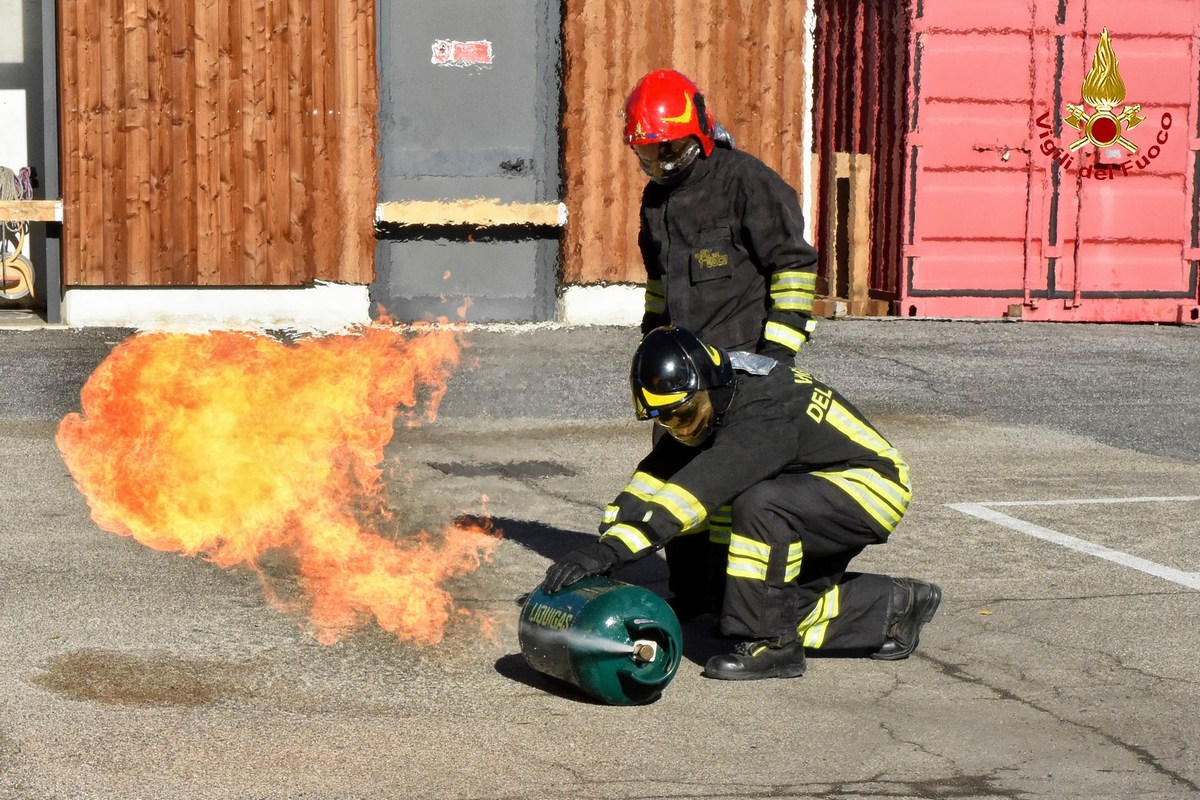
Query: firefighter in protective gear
{"x": 722, "y": 235}
{"x": 722, "y": 241}
{"x": 795, "y": 479}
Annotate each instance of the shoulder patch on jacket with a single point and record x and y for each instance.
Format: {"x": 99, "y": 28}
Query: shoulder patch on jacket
{"x": 753, "y": 363}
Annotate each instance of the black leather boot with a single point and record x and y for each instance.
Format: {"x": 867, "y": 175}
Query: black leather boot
{"x": 913, "y": 603}
{"x": 760, "y": 659}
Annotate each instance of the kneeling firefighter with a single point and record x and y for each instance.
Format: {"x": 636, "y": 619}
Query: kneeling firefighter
{"x": 811, "y": 483}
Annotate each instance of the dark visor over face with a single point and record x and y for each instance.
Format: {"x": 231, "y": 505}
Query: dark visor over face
{"x": 663, "y": 161}
{"x": 689, "y": 422}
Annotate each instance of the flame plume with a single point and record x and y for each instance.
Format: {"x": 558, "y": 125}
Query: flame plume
{"x": 230, "y": 445}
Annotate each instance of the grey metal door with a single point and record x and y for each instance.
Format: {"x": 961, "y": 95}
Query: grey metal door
{"x": 29, "y": 110}
{"x": 469, "y": 110}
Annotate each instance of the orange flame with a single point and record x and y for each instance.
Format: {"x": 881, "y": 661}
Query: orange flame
{"x": 230, "y": 445}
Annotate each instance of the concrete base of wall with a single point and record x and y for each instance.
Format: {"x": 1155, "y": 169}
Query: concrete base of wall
{"x": 323, "y": 308}
{"x": 602, "y": 305}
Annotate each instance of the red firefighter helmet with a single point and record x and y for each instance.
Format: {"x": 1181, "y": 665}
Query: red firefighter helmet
{"x": 666, "y": 106}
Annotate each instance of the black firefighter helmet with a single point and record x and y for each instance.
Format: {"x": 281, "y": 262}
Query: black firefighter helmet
{"x": 670, "y": 367}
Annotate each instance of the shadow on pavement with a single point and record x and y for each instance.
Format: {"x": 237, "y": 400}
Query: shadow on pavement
{"x": 517, "y": 669}
{"x": 554, "y": 543}
{"x": 701, "y": 638}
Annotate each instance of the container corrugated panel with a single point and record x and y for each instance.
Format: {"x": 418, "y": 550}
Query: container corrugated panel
{"x": 747, "y": 58}
{"x": 1005, "y": 216}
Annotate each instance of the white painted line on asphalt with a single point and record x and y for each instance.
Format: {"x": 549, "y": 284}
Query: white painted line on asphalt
{"x": 985, "y": 511}
{"x": 1180, "y": 499}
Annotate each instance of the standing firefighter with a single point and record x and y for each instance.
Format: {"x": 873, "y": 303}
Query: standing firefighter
{"x": 722, "y": 241}
{"x": 722, "y": 235}
{"x": 811, "y": 483}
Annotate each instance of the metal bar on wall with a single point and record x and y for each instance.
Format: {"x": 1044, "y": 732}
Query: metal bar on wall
{"x": 51, "y": 183}
{"x": 477, "y": 212}
{"x": 30, "y": 211}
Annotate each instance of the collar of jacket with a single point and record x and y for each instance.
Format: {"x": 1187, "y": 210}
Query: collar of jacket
{"x": 722, "y": 400}
{"x": 701, "y": 168}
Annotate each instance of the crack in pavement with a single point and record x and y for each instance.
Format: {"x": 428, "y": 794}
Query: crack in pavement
{"x": 920, "y": 375}
{"x": 920, "y": 748}
{"x": 956, "y": 787}
{"x": 1058, "y": 643}
{"x": 1069, "y": 598}
{"x": 1142, "y": 755}
{"x": 1117, "y": 661}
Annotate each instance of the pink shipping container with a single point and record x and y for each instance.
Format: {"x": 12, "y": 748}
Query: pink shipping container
{"x": 1008, "y": 213}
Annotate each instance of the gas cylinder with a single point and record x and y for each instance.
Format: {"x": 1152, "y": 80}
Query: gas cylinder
{"x": 620, "y": 644}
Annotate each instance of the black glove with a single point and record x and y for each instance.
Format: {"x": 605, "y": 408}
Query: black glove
{"x": 594, "y": 558}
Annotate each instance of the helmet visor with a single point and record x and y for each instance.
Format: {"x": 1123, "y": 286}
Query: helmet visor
{"x": 690, "y": 421}
{"x": 665, "y": 161}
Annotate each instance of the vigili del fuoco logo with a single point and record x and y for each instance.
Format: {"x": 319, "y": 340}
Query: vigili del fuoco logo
{"x": 1104, "y": 121}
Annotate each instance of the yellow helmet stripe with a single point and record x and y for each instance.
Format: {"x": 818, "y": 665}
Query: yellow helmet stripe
{"x": 686, "y": 116}
{"x": 663, "y": 399}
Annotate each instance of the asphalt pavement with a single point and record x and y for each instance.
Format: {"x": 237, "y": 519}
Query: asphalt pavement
{"x": 1056, "y": 473}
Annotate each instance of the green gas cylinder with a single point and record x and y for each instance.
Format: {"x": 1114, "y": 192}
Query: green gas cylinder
{"x": 620, "y": 644}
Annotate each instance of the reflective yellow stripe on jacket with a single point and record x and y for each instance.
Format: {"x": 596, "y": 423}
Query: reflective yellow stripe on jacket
{"x": 720, "y": 525}
{"x": 656, "y": 301}
{"x": 681, "y": 505}
{"x": 853, "y": 429}
{"x": 883, "y": 499}
{"x": 879, "y": 497}
{"x": 633, "y": 539}
{"x": 642, "y": 485}
{"x": 786, "y": 335}
{"x": 793, "y": 280}
{"x": 793, "y": 290}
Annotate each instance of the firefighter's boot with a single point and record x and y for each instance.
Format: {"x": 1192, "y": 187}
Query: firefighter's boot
{"x": 760, "y": 659}
{"x": 912, "y": 604}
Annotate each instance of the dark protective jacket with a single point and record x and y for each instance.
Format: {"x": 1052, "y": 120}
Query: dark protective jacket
{"x": 725, "y": 257}
{"x": 784, "y": 421}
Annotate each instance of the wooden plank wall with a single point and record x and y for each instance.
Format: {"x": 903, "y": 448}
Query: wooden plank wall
{"x": 861, "y": 77}
{"x": 216, "y": 143}
{"x": 747, "y": 57}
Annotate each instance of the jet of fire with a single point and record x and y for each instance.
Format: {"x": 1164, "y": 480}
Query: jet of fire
{"x": 229, "y": 445}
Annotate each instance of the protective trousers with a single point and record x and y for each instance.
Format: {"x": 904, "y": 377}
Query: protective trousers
{"x": 696, "y": 559}
{"x": 792, "y": 540}
{"x": 696, "y": 564}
